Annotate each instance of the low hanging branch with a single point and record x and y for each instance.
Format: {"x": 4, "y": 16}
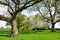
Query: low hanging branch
{"x": 4, "y": 18}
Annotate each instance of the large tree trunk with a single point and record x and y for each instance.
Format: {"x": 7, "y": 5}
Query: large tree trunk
{"x": 53, "y": 28}
{"x": 14, "y": 29}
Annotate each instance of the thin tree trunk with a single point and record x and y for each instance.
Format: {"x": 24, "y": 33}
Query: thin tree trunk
{"x": 53, "y": 28}
{"x": 14, "y": 29}
{"x": 18, "y": 26}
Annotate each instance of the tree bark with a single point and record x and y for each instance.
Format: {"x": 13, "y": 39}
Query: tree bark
{"x": 53, "y": 28}
{"x": 14, "y": 28}
{"x": 18, "y": 26}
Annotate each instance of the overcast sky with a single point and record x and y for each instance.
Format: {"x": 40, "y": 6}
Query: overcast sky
{"x": 3, "y": 10}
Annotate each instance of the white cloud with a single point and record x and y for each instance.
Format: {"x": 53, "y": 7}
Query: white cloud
{"x": 3, "y": 9}
{"x": 2, "y": 23}
{"x": 57, "y": 25}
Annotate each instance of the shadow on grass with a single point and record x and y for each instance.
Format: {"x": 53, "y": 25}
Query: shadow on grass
{"x": 5, "y": 33}
{"x": 30, "y": 31}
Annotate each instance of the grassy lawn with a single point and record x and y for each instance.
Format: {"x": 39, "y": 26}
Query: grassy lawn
{"x": 32, "y": 35}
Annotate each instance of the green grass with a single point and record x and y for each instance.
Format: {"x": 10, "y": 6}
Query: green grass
{"x": 32, "y": 35}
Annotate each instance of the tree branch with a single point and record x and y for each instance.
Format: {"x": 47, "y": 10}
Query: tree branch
{"x": 57, "y": 21}
{"x": 13, "y": 1}
{"x": 24, "y": 7}
{"x": 16, "y": 1}
{"x": 7, "y": 5}
{"x": 10, "y": 12}
{"x": 55, "y": 8}
{"x": 4, "y": 18}
{"x": 37, "y": 1}
{"x": 27, "y": 3}
{"x": 43, "y": 15}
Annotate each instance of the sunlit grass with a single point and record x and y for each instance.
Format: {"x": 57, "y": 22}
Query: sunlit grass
{"x": 32, "y": 35}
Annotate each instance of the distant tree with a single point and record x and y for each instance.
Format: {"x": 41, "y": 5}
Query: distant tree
{"x": 53, "y": 17}
{"x": 20, "y": 18}
{"x": 50, "y": 17}
{"x": 26, "y": 24}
